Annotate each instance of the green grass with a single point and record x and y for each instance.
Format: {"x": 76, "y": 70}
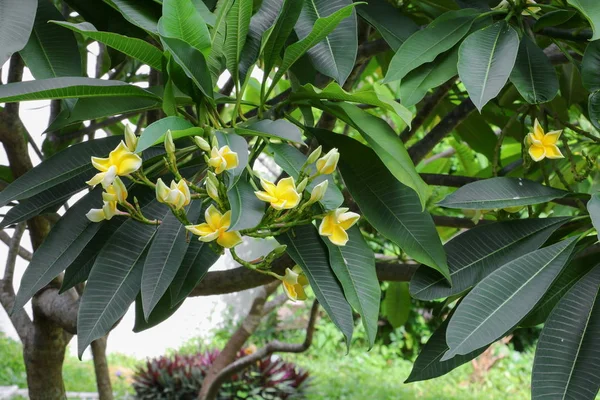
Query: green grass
{"x": 377, "y": 374}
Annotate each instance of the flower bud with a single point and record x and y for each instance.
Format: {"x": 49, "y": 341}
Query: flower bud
{"x": 214, "y": 141}
{"x": 201, "y": 143}
{"x": 131, "y": 139}
{"x": 210, "y": 176}
{"x": 314, "y": 155}
{"x": 302, "y": 185}
{"x": 328, "y": 163}
{"x": 280, "y": 249}
{"x": 212, "y": 190}
{"x": 120, "y": 190}
{"x": 318, "y": 192}
{"x": 169, "y": 145}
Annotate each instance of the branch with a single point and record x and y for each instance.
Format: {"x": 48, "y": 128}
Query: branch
{"x": 23, "y": 252}
{"x": 60, "y": 309}
{"x": 577, "y": 35}
{"x": 97, "y": 125}
{"x": 19, "y": 319}
{"x": 271, "y": 347}
{"x": 429, "y": 104}
{"x": 420, "y": 149}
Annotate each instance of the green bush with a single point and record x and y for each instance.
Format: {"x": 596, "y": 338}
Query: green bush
{"x": 12, "y": 368}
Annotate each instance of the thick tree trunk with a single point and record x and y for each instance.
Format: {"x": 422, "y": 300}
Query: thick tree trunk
{"x": 101, "y": 368}
{"x": 44, "y": 353}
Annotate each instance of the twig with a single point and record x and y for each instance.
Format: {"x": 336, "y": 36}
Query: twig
{"x": 23, "y": 252}
{"x": 13, "y": 252}
{"x": 98, "y": 125}
{"x": 271, "y": 347}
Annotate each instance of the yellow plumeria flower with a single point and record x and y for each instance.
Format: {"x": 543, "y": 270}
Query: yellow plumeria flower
{"x": 215, "y": 227}
{"x": 120, "y": 162}
{"x": 178, "y": 195}
{"x": 294, "y": 283}
{"x": 336, "y": 223}
{"x": 328, "y": 163}
{"x": 542, "y": 145}
{"x": 223, "y": 159}
{"x": 131, "y": 139}
{"x": 115, "y": 193}
{"x": 281, "y": 196}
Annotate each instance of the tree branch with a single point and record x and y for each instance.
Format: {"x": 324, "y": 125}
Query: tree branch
{"x": 23, "y": 252}
{"x": 577, "y": 35}
{"x": 420, "y": 149}
{"x": 271, "y": 347}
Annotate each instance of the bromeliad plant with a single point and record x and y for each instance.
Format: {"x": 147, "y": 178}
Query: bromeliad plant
{"x": 163, "y": 203}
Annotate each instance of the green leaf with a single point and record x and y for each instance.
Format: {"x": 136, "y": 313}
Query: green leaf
{"x": 63, "y": 166}
{"x": 180, "y": 20}
{"x": 476, "y": 253}
{"x": 533, "y": 74}
{"x": 198, "y": 258}
{"x": 322, "y": 27}
{"x": 578, "y": 267}
{"x": 135, "y": 48}
{"x": 334, "y": 92}
{"x": 354, "y": 266}
{"x": 290, "y": 11}
{"x": 389, "y": 21}
{"x": 239, "y": 145}
{"x": 392, "y": 208}
{"x": 237, "y": 24}
{"x": 503, "y": 298}
{"x": 51, "y": 52}
{"x": 115, "y": 279}
{"x": 566, "y": 357}
{"x": 156, "y": 131}
{"x": 204, "y": 11}
{"x": 278, "y": 129}
{"x": 69, "y": 87}
{"x": 553, "y": 18}
{"x": 334, "y": 55}
{"x": 165, "y": 256}
{"x": 142, "y": 13}
{"x": 291, "y": 160}
{"x": 60, "y": 248}
{"x": 571, "y": 87}
{"x": 428, "y": 364}
{"x": 97, "y": 107}
{"x": 485, "y": 61}
{"x": 161, "y": 312}
{"x": 260, "y": 23}
{"x": 386, "y": 144}
{"x": 425, "y": 45}
{"x": 305, "y": 247}
{"x": 246, "y": 209}
{"x": 192, "y": 62}
{"x": 216, "y": 59}
{"x": 501, "y": 192}
{"x": 415, "y": 85}
{"x": 396, "y": 304}
{"x": 590, "y": 67}
{"x": 590, "y": 10}
{"x": 49, "y": 200}
{"x": 594, "y": 109}
{"x": 16, "y": 21}
{"x": 478, "y": 134}
{"x": 593, "y": 207}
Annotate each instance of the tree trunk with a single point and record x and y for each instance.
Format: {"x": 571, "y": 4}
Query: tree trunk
{"x": 101, "y": 368}
{"x": 44, "y": 353}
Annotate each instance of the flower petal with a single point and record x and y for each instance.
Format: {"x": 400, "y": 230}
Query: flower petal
{"x": 226, "y": 220}
{"x": 264, "y": 196}
{"x": 553, "y": 152}
{"x": 269, "y": 187}
{"x": 536, "y": 152}
{"x": 213, "y": 217}
{"x": 327, "y": 225}
{"x": 551, "y": 137}
{"x": 210, "y": 237}
{"x": 538, "y": 131}
{"x": 229, "y": 239}
{"x": 129, "y": 163}
{"x": 95, "y": 215}
{"x": 346, "y": 220}
{"x": 339, "y": 236}
{"x": 101, "y": 164}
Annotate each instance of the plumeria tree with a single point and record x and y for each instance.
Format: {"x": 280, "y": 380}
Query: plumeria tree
{"x": 392, "y": 127}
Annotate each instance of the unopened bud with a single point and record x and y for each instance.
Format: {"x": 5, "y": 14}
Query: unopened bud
{"x": 214, "y": 142}
{"x": 318, "y": 192}
{"x": 328, "y": 163}
{"x": 212, "y": 190}
{"x": 302, "y": 185}
{"x": 130, "y": 139}
{"x": 314, "y": 155}
{"x": 201, "y": 143}
{"x": 169, "y": 145}
{"x": 280, "y": 249}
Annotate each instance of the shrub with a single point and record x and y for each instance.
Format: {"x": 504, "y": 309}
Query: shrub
{"x": 181, "y": 376}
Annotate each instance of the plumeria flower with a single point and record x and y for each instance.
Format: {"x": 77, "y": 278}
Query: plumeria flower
{"x": 281, "y": 196}
{"x": 115, "y": 193}
{"x": 336, "y": 223}
{"x": 318, "y": 192}
{"x": 223, "y": 159}
{"x": 328, "y": 163}
{"x": 294, "y": 283}
{"x": 120, "y": 162}
{"x": 543, "y": 145}
{"x": 215, "y": 228}
{"x": 178, "y": 195}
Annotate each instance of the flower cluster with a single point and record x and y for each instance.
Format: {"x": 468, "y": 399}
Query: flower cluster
{"x": 291, "y": 201}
